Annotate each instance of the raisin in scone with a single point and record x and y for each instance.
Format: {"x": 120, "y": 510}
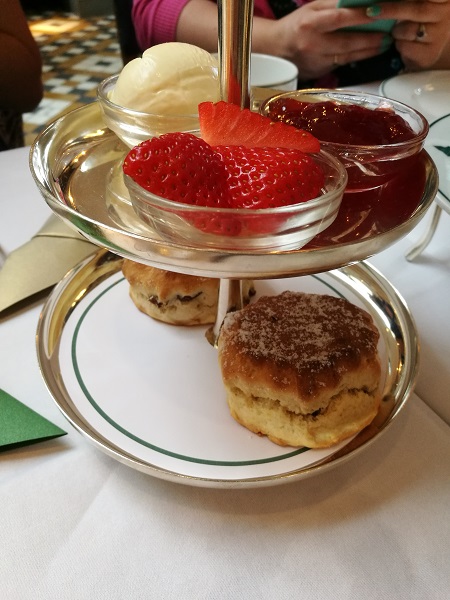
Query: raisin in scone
{"x": 173, "y": 297}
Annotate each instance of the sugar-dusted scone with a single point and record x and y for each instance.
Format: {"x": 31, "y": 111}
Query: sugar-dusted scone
{"x": 302, "y": 369}
{"x": 173, "y": 297}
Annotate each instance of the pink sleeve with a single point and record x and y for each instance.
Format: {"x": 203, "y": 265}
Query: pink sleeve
{"x": 261, "y": 8}
{"x": 155, "y": 21}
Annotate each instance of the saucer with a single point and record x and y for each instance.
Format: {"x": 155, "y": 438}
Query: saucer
{"x": 426, "y": 91}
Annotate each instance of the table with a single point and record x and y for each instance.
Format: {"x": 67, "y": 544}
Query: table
{"x": 76, "y": 524}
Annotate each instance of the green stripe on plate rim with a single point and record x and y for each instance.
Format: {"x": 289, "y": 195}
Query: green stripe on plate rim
{"x": 145, "y": 443}
{"x": 440, "y": 149}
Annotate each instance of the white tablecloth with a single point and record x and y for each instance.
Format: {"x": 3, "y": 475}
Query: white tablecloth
{"x": 74, "y": 523}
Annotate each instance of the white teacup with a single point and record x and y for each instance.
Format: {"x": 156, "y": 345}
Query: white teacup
{"x": 268, "y": 71}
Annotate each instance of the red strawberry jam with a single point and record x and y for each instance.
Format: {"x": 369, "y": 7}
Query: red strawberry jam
{"x": 385, "y": 185}
{"x": 372, "y": 144}
{"x": 365, "y": 214}
{"x": 342, "y": 123}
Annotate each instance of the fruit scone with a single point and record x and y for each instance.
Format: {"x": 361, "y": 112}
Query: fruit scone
{"x": 302, "y": 369}
{"x": 176, "y": 298}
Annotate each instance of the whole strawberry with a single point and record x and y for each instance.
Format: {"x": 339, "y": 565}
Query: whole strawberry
{"x": 179, "y": 167}
{"x": 270, "y": 177}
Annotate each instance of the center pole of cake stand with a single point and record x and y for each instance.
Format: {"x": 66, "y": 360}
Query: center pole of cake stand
{"x": 230, "y": 299}
{"x": 235, "y": 36}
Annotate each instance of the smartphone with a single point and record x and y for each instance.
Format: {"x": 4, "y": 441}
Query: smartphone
{"x": 384, "y": 25}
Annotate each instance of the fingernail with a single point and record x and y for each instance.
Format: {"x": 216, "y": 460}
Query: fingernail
{"x": 373, "y": 11}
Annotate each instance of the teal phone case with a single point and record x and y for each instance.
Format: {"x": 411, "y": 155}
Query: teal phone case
{"x": 383, "y": 25}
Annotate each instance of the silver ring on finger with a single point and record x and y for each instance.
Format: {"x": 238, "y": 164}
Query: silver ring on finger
{"x": 421, "y": 33}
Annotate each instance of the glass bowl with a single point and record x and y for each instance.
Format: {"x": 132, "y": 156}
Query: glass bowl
{"x": 132, "y": 126}
{"x": 244, "y": 229}
{"x": 368, "y": 166}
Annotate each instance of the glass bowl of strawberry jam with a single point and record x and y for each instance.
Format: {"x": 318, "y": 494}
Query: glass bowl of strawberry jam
{"x": 374, "y": 137}
{"x": 133, "y": 126}
{"x": 287, "y": 227}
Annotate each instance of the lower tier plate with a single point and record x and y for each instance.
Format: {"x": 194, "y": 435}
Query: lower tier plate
{"x": 150, "y": 394}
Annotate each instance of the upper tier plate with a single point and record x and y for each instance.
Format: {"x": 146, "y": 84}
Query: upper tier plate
{"x": 74, "y": 160}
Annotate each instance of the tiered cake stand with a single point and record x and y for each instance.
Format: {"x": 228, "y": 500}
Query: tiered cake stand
{"x": 150, "y": 394}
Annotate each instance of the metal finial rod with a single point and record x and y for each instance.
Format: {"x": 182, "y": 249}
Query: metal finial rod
{"x": 235, "y": 35}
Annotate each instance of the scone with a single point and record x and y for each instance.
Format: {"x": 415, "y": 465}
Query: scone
{"x": 173, "y": 297}
{"x": 302, "y": 369}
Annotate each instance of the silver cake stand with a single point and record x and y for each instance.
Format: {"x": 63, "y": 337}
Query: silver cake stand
{"x": 74, "y": 164}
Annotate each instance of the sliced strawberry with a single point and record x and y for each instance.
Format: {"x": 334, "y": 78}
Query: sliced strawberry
{"x": 226, "y": 124}
{"x": 179, "y": 167}
{"x": 270, "y": 177}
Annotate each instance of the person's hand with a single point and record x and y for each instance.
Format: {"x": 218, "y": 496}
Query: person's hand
{"x": 422, "y": 31}
{"x": 312, "y": 37}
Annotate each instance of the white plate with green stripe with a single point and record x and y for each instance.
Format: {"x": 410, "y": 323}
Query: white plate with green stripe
{"x": 150, "y": 394}
{"x": 438, "y": 147}
{"x": 426, "y": 91}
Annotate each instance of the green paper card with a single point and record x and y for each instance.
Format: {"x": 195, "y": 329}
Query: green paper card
{"x": 20, "y": 425}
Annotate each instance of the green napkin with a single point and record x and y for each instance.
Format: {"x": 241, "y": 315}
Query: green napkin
{"x": 19, "y": 425}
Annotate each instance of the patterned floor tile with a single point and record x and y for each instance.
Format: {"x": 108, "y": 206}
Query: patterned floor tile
{"x": 77, "y": 54}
